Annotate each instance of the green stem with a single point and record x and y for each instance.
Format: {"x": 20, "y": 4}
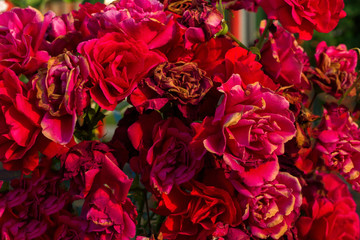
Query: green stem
{"x": 264, "y": 35}
{"x": 313, "y": 99}
{"x": 349, "y": 90}
{"x": 229, "y": 34}
{"x": 147, "y": 211}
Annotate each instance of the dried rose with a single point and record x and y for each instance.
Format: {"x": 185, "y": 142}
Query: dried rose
{"x": 182, "y": 83}
{"x": 335, "y": 69}
{"x": 203, "y": 21}
{"x": 62, "y": 94}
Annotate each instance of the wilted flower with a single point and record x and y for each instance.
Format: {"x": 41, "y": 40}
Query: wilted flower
{"x": 182, "y": 83}
{"x": 62, "y": 94}
{"x": 335, "y": 69}
{"x": 203, "y": 21}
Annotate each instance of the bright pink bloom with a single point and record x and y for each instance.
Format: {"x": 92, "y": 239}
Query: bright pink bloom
{"x": 338, "y": 141}
{"x": 271, "y": 209}
{"x": 250, "y": 127}
{"x": 21, "y": 37}
{"x": 243, "y": 62}
{"x": 143, "y": 20}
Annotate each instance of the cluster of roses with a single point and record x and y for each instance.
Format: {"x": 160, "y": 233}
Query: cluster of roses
{"x": 220, "y": 142}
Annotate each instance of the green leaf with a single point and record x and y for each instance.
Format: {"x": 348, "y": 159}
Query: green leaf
{"x": 256, "y": 51}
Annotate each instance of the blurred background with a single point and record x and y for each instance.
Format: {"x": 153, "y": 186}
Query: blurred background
{"x": 243, "y": 24}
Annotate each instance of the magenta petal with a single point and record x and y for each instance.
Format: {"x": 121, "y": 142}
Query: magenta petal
{"x": 264, "y": 172}
{"x": 60, "y": 130}
{"x": 216, "y": 143}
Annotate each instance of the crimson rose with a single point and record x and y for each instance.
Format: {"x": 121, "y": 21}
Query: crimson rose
{"x": 117, "y": 63}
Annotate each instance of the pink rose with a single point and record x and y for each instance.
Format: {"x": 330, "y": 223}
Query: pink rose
{"x": 338, "y": 141}
{"x": 21, "y": 37}
{"x": 143, "y": 20}
{"x": 272, "y": 208}
{"x": 249, "y": 129}
{"x": 304, "y": 16}
{"x": 243, "y": 62}
{"x": 117, "y": 63}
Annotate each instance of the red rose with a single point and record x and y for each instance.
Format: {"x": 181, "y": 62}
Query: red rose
{"x": 330, "y": 216}
{"x": 165, "y": 157}
{"x": 20, "y": 131}
{"x": 117, "y": 63}
{"x": 284, "y": 60}
{"x": 195, "y": 210}
{"x": 303, "y": 16}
